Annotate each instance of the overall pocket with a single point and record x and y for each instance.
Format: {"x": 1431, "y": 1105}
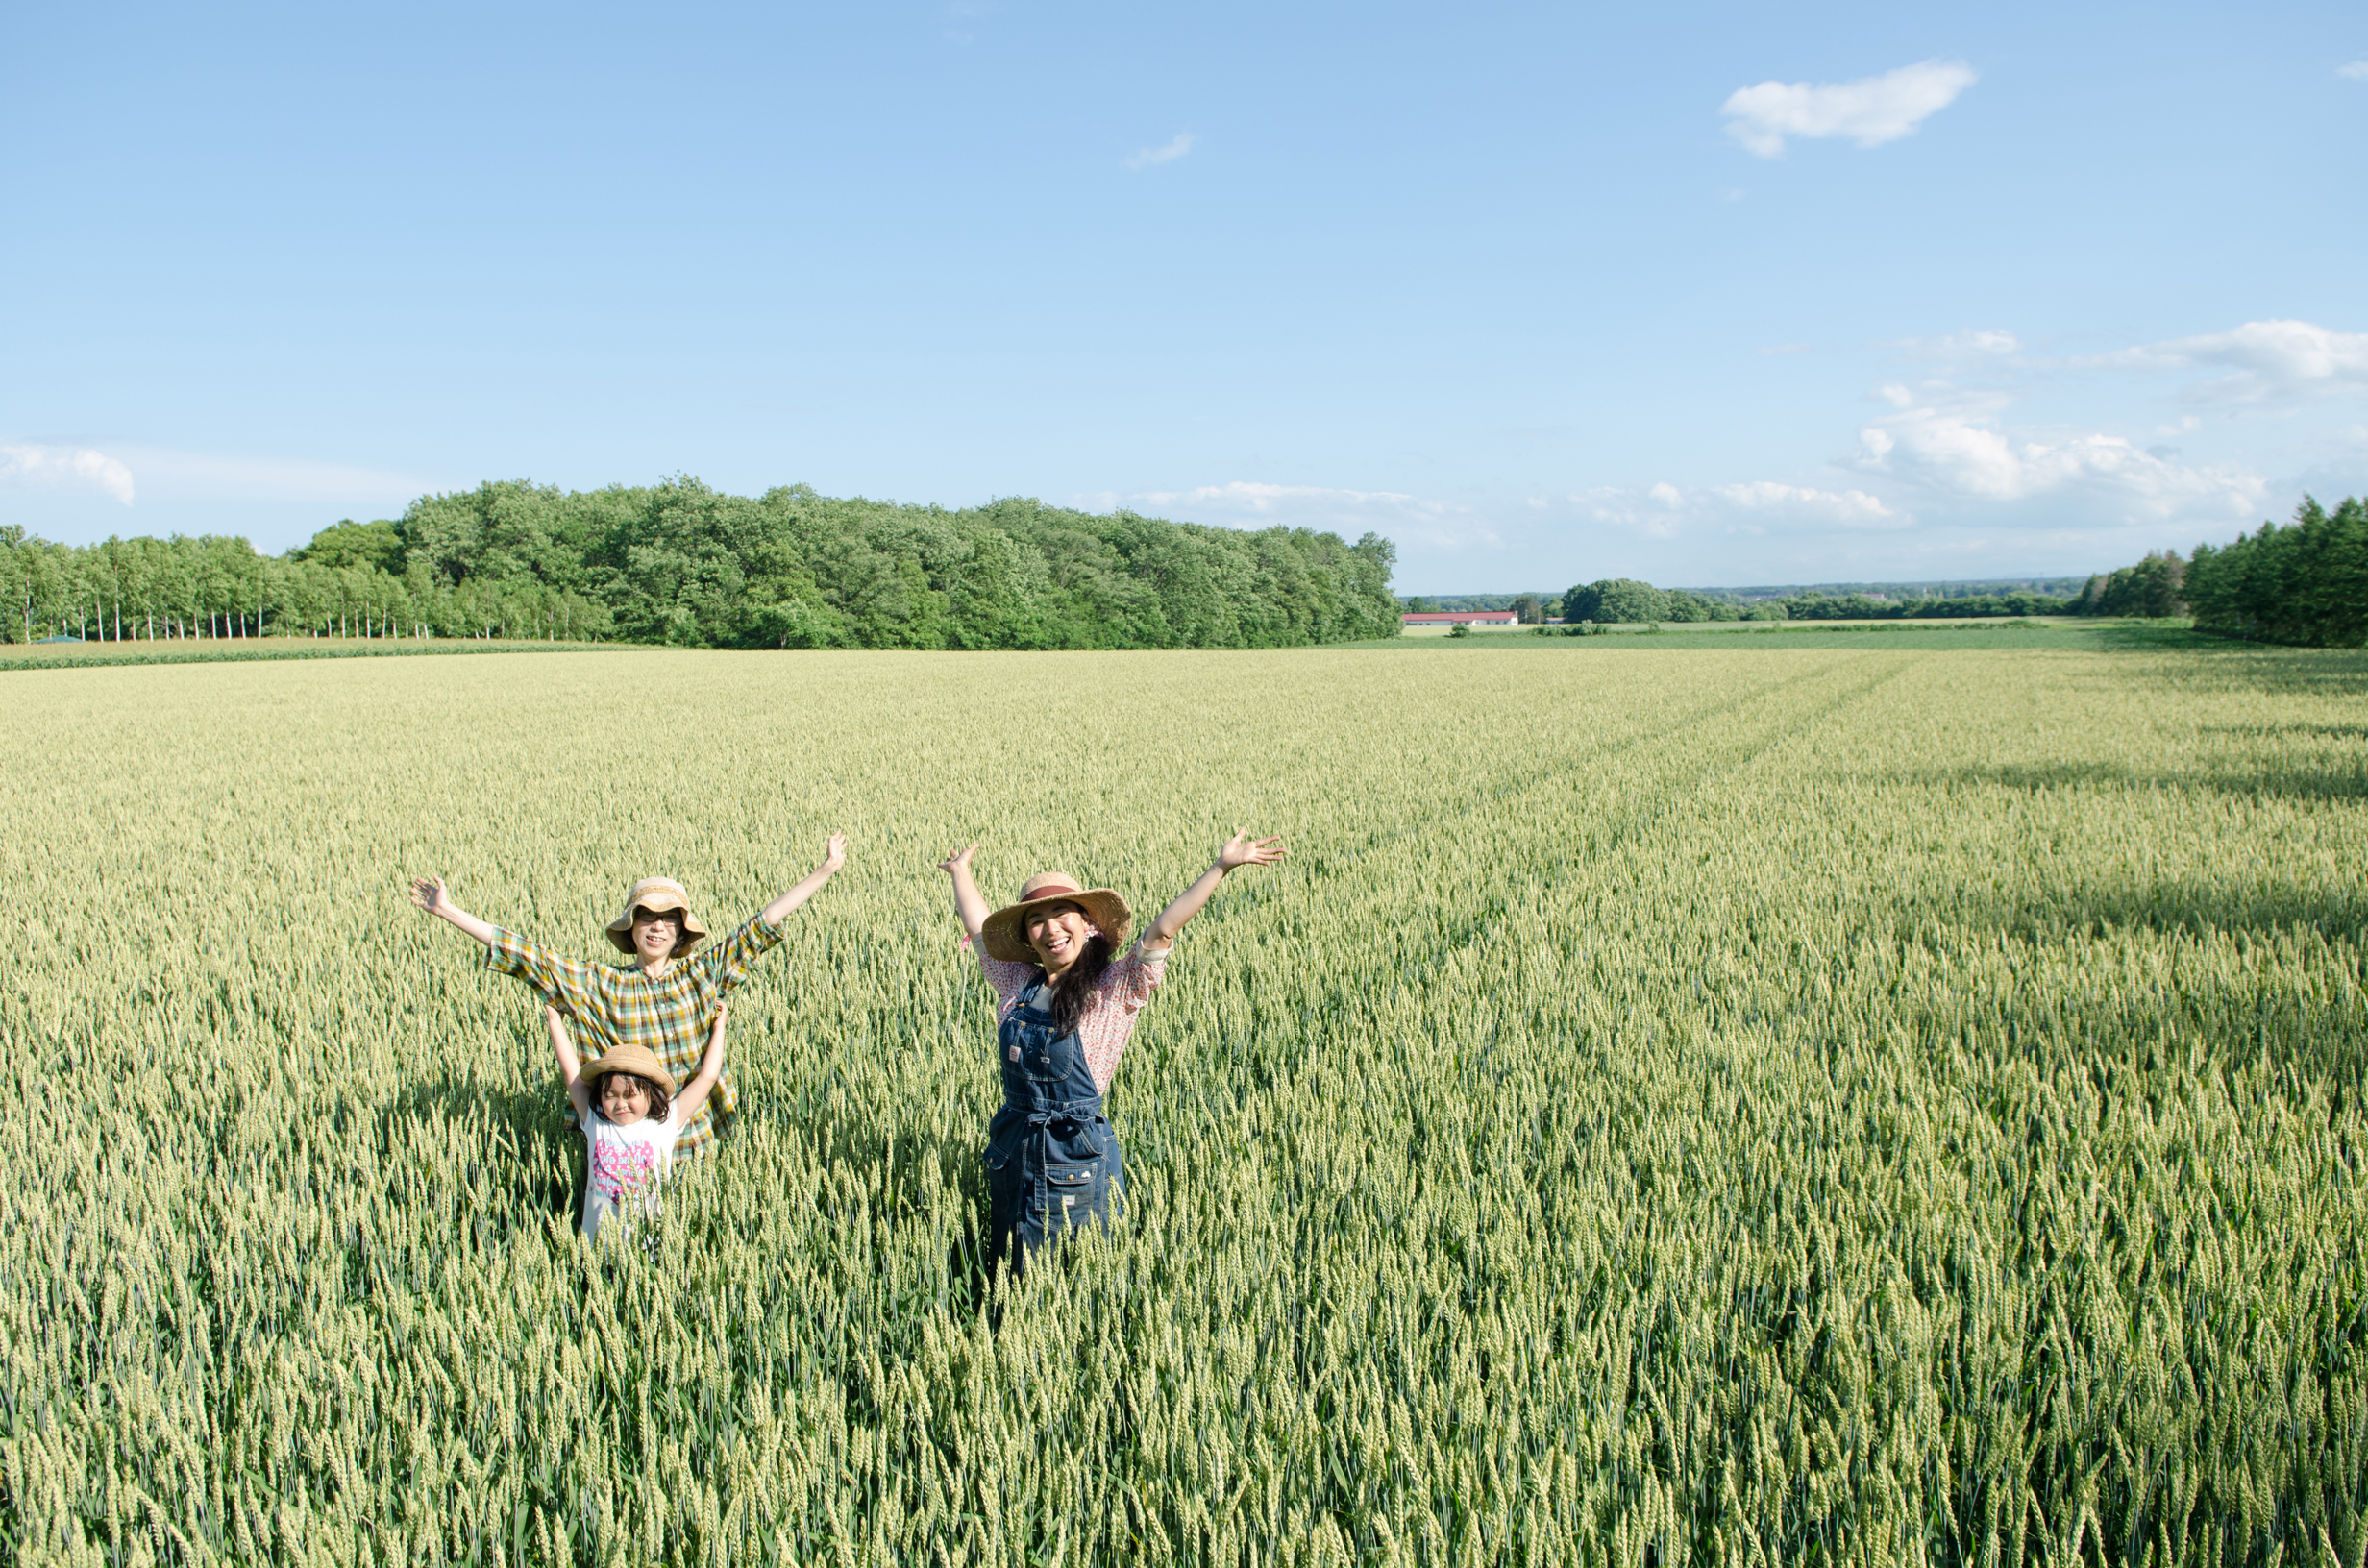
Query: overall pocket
{"x": 1077, "y": 1191}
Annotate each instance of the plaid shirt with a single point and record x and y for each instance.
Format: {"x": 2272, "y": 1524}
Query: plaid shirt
{"x": 616, "y": 1004}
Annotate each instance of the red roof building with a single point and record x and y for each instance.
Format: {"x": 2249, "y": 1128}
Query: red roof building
{"x": 1464, "y": 618}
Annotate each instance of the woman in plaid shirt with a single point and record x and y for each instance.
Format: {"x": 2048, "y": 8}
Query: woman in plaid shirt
{"x": 667, "y": 998}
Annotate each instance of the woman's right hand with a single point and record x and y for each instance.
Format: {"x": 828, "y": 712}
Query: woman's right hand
{"x": 956, "y": 865}
{"x": 429, "y": 894}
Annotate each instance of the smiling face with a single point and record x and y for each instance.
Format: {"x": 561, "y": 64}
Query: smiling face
{"x": 656, "y": 933}
{"x": 624, "y": 1099}
{"x": 1058, "y": 934}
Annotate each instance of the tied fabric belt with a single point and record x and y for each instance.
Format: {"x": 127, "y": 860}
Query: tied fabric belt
{"x": 1045, "y": 1115}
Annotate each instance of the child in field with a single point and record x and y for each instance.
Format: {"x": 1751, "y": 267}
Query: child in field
{"x": 663, "y": 1000}
{"x": 631, "y": 1115}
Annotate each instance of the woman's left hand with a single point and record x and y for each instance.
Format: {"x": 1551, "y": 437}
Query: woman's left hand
{"x": 1244, "y": 850}
{"x": 834, "y": 853}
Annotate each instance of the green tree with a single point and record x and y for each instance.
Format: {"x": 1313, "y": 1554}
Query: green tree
{"x": 16, "y": 579}
{"x": 2154, "y": 587}
{"x": 378, "y": 546}
{"x": 1612, "y": 601}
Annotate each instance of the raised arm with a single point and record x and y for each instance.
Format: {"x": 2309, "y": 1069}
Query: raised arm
{"x": 428, "y": 893}
{"x": 710, "y": 1069}
{"x": 571, "y": 1070}
{"x": 1240, "y": 850}
{"x": 834, "y": 856}
{"x": 969, "y": 902}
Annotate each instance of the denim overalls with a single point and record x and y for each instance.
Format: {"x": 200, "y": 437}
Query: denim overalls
{"x": 1051, "y": 1159}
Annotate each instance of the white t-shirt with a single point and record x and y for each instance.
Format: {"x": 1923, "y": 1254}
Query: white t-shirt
{"x": 623, "y": 1165}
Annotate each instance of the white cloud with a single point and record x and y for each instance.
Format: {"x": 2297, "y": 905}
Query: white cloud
{"x": 1845, "y": 508}
{"x": 1665, "y": 511}
{"x": 1968, "y": 344}
{"x": 1956, "y": 444}
{"x": 2264, "y": 360}
{"x": 1871, "y": 110}
{"x": 1148, "y": 156}
{"x": 1440, "y": 524}
{"x": 65, "y": 467}
{"x": 2358, "y": 70}
{"x": 958, "y": 15}
{"x": 209, "y": 476}
{"x": 168, "y": 474}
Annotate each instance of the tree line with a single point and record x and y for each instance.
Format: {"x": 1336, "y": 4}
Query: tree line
{"x": 2305, "y": 583}
{"x": 680, "y": 563}
{"x": 1617, "y": 600}
{"x": 2152, "y": 587}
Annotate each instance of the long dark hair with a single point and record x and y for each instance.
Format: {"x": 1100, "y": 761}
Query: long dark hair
{"x": 1075, "y": 991}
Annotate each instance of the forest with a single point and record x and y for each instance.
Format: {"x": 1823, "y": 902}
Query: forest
{"x": 2305, "y": 583}
{"x": 683, "y": 564}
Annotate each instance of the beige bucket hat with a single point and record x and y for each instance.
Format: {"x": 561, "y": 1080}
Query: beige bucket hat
{"x": 1002, "y": 934}
{"x": 637, "y": 1059}
{"x": 658, "y": 893}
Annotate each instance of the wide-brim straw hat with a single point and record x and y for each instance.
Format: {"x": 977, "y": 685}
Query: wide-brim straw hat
{"x": 637, "y": 1059}
{"x": 1002, "y": 935}
{"x": 658, "y": 895}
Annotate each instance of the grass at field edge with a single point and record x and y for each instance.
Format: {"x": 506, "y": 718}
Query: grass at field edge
{"x": 1775, "y": 637}
{"x": 246, "y": 651}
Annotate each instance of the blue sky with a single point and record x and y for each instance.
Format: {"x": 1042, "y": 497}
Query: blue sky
{"x": 1702, "y": 294}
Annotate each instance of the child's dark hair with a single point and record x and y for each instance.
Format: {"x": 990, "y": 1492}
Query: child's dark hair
{"x": 660, "y": 1102}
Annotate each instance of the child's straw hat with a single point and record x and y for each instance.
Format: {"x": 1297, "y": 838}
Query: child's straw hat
{"x": 637, "y": 1059}
{"x": 1002, "y": 934}
{"x": 658, "y": 895}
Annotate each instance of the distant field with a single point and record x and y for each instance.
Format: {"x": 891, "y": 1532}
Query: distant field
{"x": 1892, "y": 1100}
{"x": 1749, "y": 627}
{"x": 1969, "y": 635}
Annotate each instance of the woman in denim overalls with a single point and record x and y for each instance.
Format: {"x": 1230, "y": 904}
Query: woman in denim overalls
{"x": 1066, "y": 1011}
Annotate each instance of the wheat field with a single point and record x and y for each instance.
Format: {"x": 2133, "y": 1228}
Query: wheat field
{"x": 1834, "y": 1106}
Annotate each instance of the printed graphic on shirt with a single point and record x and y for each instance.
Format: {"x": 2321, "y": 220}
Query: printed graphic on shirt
{"x": 619, "y": 1168}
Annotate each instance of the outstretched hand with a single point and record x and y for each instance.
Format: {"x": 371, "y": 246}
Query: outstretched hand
{"x": 1244, "y": 850}
{"x": 433, "y": 897}
{"x": 1240, "y": 850}
{"x": 954, "y": 864}
{"x": 834, "y": 856}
